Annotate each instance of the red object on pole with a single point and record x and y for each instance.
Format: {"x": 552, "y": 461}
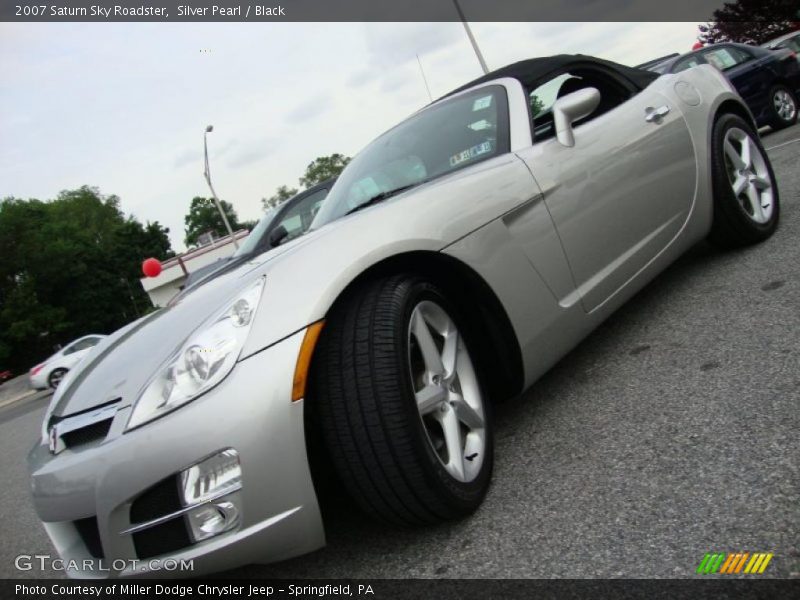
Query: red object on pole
{"x": 151, "y": 267}
{"x": 697, "y": 45}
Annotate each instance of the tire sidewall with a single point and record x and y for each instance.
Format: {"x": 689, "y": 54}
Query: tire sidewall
{"x": 466, "y": 494}
{"x": 724, "y": 198}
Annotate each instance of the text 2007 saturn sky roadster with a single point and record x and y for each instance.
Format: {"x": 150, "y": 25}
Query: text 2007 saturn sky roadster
{"x": 456, "y": 259}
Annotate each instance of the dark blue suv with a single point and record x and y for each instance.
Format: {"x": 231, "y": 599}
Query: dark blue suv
{"x": 767, "y": 80}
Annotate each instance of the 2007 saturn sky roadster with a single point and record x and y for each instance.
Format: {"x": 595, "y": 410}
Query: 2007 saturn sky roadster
{"x": 457, "y": 258}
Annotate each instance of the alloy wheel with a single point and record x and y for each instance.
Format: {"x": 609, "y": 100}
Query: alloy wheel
{"x": 446, "y": 389}
{"x": 748, "y": 175}
{"x": 784, "y": 105}
{"x": 56, "y": 377}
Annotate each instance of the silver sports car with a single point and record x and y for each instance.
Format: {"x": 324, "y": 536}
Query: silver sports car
{"x": 456, "y": 259}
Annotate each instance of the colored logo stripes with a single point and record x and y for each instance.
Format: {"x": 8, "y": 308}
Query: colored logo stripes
{"x": 731, "y": 563}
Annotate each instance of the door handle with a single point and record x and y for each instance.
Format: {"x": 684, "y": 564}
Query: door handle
{"x": 654, "y": 115}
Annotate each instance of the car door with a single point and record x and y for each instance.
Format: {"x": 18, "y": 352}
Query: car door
{"x": 624, "y": 191}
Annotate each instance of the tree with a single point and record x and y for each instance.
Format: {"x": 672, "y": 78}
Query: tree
{"x": 281, "y": 195}
{"x": 536, "y": 105}
{"x": 203, "y": 216}
{"x": 69, "y": 267}
{"x": 322, "y": 168}
{"x": 750, "y": 21}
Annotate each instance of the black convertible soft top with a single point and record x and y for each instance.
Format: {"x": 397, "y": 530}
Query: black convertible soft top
{"x": 531, "y": 70}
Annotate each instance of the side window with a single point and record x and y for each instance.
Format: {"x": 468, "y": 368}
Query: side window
{"x": 82, "y": 345}
{"x": 686, "y": 63}
{"x": 298, "y": 218}
{"x": 544, "y": 95}
{"x": 726, "y": 57}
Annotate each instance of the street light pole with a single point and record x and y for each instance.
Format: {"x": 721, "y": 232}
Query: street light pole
{"x": 471, "y": 38}
{"x": 424, "y": 79}
{"x": 207, "y": 174}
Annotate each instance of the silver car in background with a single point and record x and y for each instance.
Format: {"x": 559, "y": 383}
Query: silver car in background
{"x": 456, "y": 259}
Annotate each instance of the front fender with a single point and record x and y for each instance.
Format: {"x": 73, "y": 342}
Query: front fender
{"x": 303, "y": 284}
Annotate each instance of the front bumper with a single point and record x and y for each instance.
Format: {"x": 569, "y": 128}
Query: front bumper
{"x": 250, "y": 411}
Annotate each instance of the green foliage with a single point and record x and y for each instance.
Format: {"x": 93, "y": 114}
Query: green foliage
{"x": 281, "y": 195}
{"x": 751, "y": 21}
{"x": 322, "y": 168}
{"x": 67, "y": 268}
{"x": 203, "y": 216}
{"x": 536, "y": 105}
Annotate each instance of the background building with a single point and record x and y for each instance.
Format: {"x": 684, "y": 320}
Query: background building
{"x": 174, "y": 271}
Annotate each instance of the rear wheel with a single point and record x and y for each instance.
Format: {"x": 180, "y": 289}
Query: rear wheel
{"x": 746, "y": 202}
{"x": 54, "y": 379}
{"x": 782, "y": 107}
{"x": 401, "y": 404}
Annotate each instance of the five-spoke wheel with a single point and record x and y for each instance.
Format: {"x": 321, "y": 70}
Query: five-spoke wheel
{"x": 746, "y": 201}
{"x": 782, "y": 108}
{"x": 748, "y": 174}
{"x": 446, "y": 389}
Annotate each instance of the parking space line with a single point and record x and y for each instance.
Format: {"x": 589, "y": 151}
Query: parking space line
{"x": 783, "y": 144}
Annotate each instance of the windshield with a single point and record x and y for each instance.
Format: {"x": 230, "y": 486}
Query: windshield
{"x": 252, "y": 240}
{"x": 442, "y": 138}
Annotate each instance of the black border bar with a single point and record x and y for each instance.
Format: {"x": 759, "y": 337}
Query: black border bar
{"x": 380, "y": 589}
{"x": 374, "y": 10}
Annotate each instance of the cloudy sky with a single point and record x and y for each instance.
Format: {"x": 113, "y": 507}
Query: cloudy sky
{"x": 123, "y": 106}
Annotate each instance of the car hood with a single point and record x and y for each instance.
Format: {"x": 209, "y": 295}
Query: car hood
{"x": 121, "y": 365}
{"x": 425, "y": 218}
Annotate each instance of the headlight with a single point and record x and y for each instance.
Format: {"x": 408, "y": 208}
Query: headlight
{"x": 202, "y": 362}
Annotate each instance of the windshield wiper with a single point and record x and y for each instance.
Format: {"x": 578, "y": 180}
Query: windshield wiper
{"x": 383, "y": 196}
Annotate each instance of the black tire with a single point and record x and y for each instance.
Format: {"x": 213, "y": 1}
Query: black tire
{"x": 776, "y": 121}
{"x": 361, "y": 385}
{"x": 733, "y": 226}
{"x": 55, "y": 377}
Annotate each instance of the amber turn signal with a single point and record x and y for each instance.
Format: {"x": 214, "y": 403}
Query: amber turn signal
{"x": 304, "y": 360}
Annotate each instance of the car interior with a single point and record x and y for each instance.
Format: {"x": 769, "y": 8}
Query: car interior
{"x": 475, "y": 128}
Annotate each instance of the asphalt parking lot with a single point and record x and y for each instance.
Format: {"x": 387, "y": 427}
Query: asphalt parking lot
{"x": 670, "y": 432}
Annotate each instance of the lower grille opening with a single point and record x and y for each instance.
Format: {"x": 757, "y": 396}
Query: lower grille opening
{"x": 87, "y": 435}
{"x": 171, "y": 536}
{"x": 158, "y": 501}
{"x": 161, "y": 499}
{"x": 90, "y": 534}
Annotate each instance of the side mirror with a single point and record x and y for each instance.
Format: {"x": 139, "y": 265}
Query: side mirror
{"x": 569, "y": 109}
{"x": 277, "y": 235}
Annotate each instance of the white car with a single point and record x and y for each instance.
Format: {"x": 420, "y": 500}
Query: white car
{"x": 50, "y": 372}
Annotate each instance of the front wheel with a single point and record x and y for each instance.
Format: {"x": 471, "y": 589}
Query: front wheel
{"x": 746, "y": 202}
{"x": 401, "y": 403}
